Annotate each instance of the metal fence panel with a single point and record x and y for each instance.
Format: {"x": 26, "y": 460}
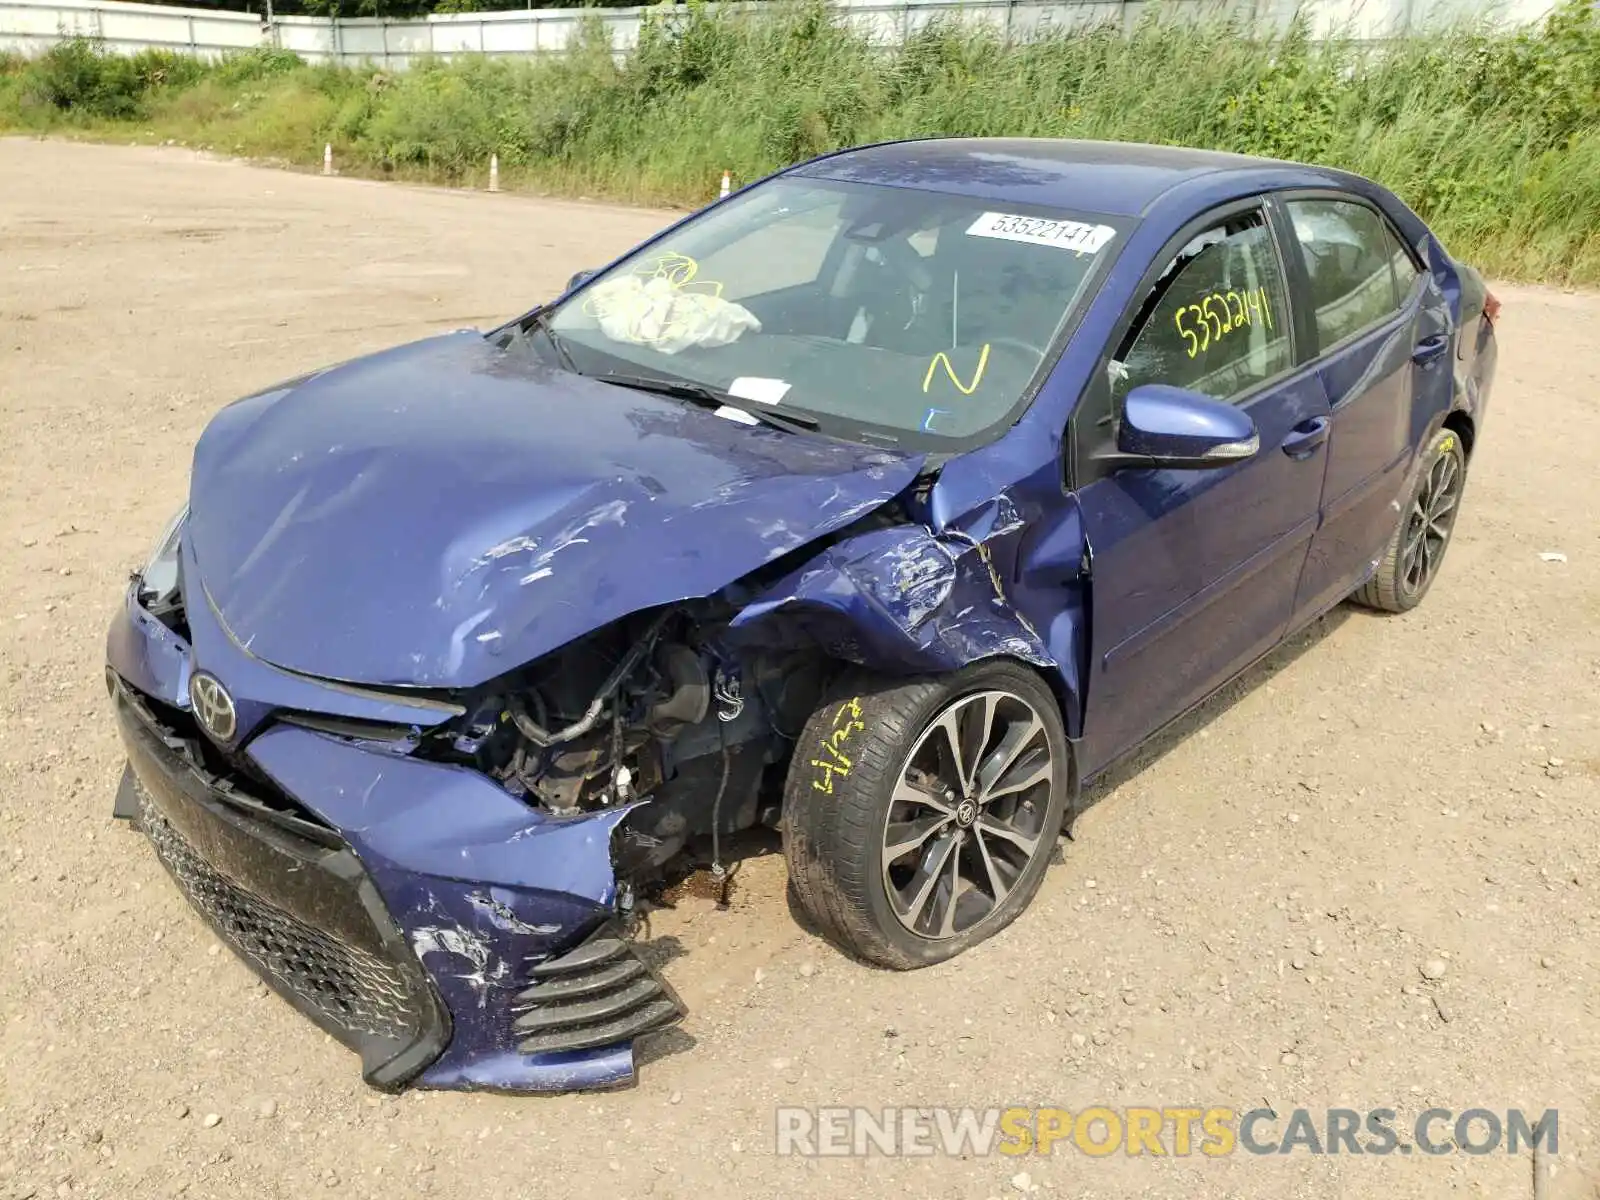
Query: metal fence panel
{"x": 29, "y": 26}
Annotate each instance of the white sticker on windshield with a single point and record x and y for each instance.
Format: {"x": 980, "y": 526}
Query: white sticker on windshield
{"x": 1041, "y": 231}
{"x": 759, "y": 389}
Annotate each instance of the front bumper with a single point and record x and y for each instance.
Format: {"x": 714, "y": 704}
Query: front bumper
{"x": 289, "y": 897}
{"x": 417, "y": 912}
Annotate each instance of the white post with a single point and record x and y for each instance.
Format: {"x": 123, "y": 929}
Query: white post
{"x": 727, "y": 184}
{"x": 327, "y": 159}
{"x": 494, "y": 172}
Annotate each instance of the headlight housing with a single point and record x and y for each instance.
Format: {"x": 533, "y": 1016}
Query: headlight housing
{"x": 160, "y": 573}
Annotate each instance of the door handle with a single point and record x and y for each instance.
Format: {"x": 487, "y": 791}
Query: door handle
{"x": 1430, "y": 348}
{"x": 1305, "y": 437}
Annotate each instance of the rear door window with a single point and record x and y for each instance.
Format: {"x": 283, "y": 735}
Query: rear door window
{"x": 1350, "y": 260}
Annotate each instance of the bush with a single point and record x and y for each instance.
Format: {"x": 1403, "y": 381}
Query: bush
{"x": 166, "y": 69}
{"x": 78, "y": 76}
{"x": 256, "y": 64}
{"x": 433, "y": 117}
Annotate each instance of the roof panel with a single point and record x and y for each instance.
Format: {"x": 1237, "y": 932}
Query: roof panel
{"x": 1117, "y": 178}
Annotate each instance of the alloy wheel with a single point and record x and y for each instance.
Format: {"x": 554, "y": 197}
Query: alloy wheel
{"x": 968, "y": 813}
{"x": 1432, "y": 516}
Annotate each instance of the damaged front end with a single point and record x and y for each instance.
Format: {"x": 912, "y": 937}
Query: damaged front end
{"x": 452, "y": 927}
{"x": 444, "y": 881}
{"x": 399, "y": 911}
{"x": 452, "y": 758}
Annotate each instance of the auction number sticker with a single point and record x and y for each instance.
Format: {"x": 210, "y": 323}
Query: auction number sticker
{"x": 1041, "y": 231}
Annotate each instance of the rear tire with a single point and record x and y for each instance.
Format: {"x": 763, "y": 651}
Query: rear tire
{"x": 921, "y": 815}
{"x": 1415, "y": 551}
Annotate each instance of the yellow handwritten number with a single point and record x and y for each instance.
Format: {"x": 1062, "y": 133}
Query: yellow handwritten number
{"x": 949, "y": 369}
{"x": 1226, "y": 320}
{"x": 1205, "y": 328}
{"x": 1189, "y": 335}
{"x": 1217, "y": 318}
{"x": 846, "y": 721}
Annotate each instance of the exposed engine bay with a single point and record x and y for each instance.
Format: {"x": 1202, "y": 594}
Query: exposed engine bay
{"x": 651, "y": 708}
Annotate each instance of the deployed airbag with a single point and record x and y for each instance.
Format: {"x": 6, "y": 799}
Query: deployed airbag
{"x": 656, "y": 313}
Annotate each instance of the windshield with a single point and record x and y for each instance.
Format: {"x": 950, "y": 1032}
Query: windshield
{"x": 881, "y": 313}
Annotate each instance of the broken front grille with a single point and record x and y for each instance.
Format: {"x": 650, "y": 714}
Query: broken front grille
{"x": 598, "y": 994}
{"x": 232, "y": 777}
{"x": 350, "y": 988}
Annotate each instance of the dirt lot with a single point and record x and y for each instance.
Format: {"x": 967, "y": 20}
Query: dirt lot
{"x": 1241, "y": 922}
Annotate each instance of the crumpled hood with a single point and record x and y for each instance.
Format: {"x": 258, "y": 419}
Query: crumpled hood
{"x": 438, "y": 514}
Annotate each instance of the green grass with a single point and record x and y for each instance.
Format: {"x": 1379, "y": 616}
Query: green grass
{"x": 1494, "y": 137}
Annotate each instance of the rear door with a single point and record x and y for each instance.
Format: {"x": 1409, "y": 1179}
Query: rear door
{"x": 1381, "y": 335}
{"x": 1194, "y": 573}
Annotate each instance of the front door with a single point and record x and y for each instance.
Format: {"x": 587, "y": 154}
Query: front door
{"x": 1194, "y": 573}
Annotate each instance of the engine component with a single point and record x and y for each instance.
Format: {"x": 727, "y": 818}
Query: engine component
{"x": 690, "y": 697}
{"x": 541, "y": 737}
{"x": 651, "y": 709}
{"x": 730, "y": 696}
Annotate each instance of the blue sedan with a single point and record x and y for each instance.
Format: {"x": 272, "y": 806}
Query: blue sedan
{"x": 884, "y": 503}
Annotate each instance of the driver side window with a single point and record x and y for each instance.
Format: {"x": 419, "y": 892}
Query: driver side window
{"x": 1216, "y": 321}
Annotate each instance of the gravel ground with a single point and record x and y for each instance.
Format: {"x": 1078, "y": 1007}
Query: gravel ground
{"x": 1244, "y": 920}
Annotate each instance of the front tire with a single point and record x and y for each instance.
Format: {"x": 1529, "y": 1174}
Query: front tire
{"x": 1411, "y": 559}
{"x": 921, "y": 815}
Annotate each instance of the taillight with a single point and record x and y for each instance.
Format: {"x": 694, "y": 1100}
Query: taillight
{"x": 1491, "y": 306}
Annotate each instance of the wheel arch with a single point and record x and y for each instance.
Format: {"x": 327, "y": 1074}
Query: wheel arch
{"x": 1050, "y": 675}
{"x": 1070, "y": 706}
{"x": 1459, "y": 421}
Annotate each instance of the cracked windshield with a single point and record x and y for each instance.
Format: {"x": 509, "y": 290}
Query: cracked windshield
{"x": 901, "y": 315}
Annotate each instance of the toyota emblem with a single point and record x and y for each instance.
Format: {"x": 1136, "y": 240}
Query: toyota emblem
{"x": 213, "y": 707}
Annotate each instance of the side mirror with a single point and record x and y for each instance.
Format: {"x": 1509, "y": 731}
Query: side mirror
{"x": 581, "y": 278}
{"x": 1175, "y": 428}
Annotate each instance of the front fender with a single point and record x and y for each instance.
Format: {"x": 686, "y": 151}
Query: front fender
{"x": 909, "y": 601}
